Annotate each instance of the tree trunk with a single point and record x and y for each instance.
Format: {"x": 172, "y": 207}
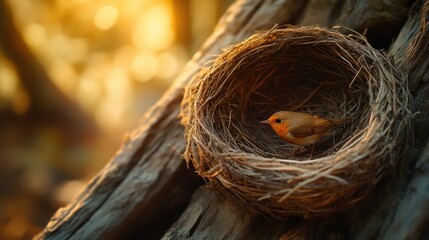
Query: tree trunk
{"x": 146, "y": 189}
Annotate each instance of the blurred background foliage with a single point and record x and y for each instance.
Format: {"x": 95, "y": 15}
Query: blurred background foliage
{"x": 109, "y": 61}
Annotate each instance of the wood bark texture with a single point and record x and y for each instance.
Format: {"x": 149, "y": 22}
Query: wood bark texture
{"x": 146, "y": 190}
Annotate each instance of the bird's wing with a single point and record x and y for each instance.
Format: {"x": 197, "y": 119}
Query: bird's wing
{"x": 323, "y": 126}
{"x": 309, "y": 128}
{"x": 301, "y": 131}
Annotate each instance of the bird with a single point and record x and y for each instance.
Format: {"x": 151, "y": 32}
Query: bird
{"x": 301, "y": 128}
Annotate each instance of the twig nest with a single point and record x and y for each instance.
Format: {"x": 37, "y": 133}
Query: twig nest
{"x": 310, "y": 70}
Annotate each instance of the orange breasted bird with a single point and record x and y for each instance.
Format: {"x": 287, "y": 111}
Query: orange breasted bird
{"x": 301, "y": 128}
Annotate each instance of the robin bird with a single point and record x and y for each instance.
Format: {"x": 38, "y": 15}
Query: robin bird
{"x": 301, "y": 128}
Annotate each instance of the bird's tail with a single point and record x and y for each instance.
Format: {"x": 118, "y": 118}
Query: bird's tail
{"x": 340, "y": 121}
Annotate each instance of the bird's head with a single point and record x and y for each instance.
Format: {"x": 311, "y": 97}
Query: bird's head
{"x": 278, "y": 121}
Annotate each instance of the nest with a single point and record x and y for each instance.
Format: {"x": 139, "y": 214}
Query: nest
{"x": 310, "y": 70}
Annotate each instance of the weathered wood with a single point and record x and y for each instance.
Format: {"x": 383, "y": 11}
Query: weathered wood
{"x": 211, "y": 216}
{"x": 410, "y": 52}
{"x": 319, "y": 12}
{"x": 381, "y": 20}
{"x": 411, "y": 218}
{"x": 358, "y": 15}
{"x": 123, "y": 191}
{"x": 411, "y": 49}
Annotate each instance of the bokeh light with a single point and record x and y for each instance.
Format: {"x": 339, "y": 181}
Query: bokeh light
{"x": 144, "y": 66}
{"x": 64, "y": 75}
{"x": 154, "y": 29}
{"x": 34, "y": 34}
{"x": 9, "y": 81}
{"x": 106, "y": 17}
{"x": 114, "y": 59}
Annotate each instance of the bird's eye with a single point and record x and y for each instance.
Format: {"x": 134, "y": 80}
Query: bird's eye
{"x": 278, "y": 120}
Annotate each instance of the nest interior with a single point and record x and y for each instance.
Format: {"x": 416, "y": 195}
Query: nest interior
{"x": 310, "y": 70}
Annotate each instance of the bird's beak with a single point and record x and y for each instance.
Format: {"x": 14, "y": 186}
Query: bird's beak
{"x": 264, "y": 122}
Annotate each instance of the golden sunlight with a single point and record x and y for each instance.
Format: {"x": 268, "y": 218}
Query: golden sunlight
{"x": 144, "y": 66}
{"x": 170, "y": 66}
{"x": 88, "y": 92}
{"x": 64, "y": 76}
{"x": 9, "y": 80}
{"x": 117, "y": 83}
{"x": 106, "y": 17}
{"x": 35, "y": 34}
{"x": 111, "y": 60}
{"x": 154, "y": 30}
{"x": 118, "y": 97}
